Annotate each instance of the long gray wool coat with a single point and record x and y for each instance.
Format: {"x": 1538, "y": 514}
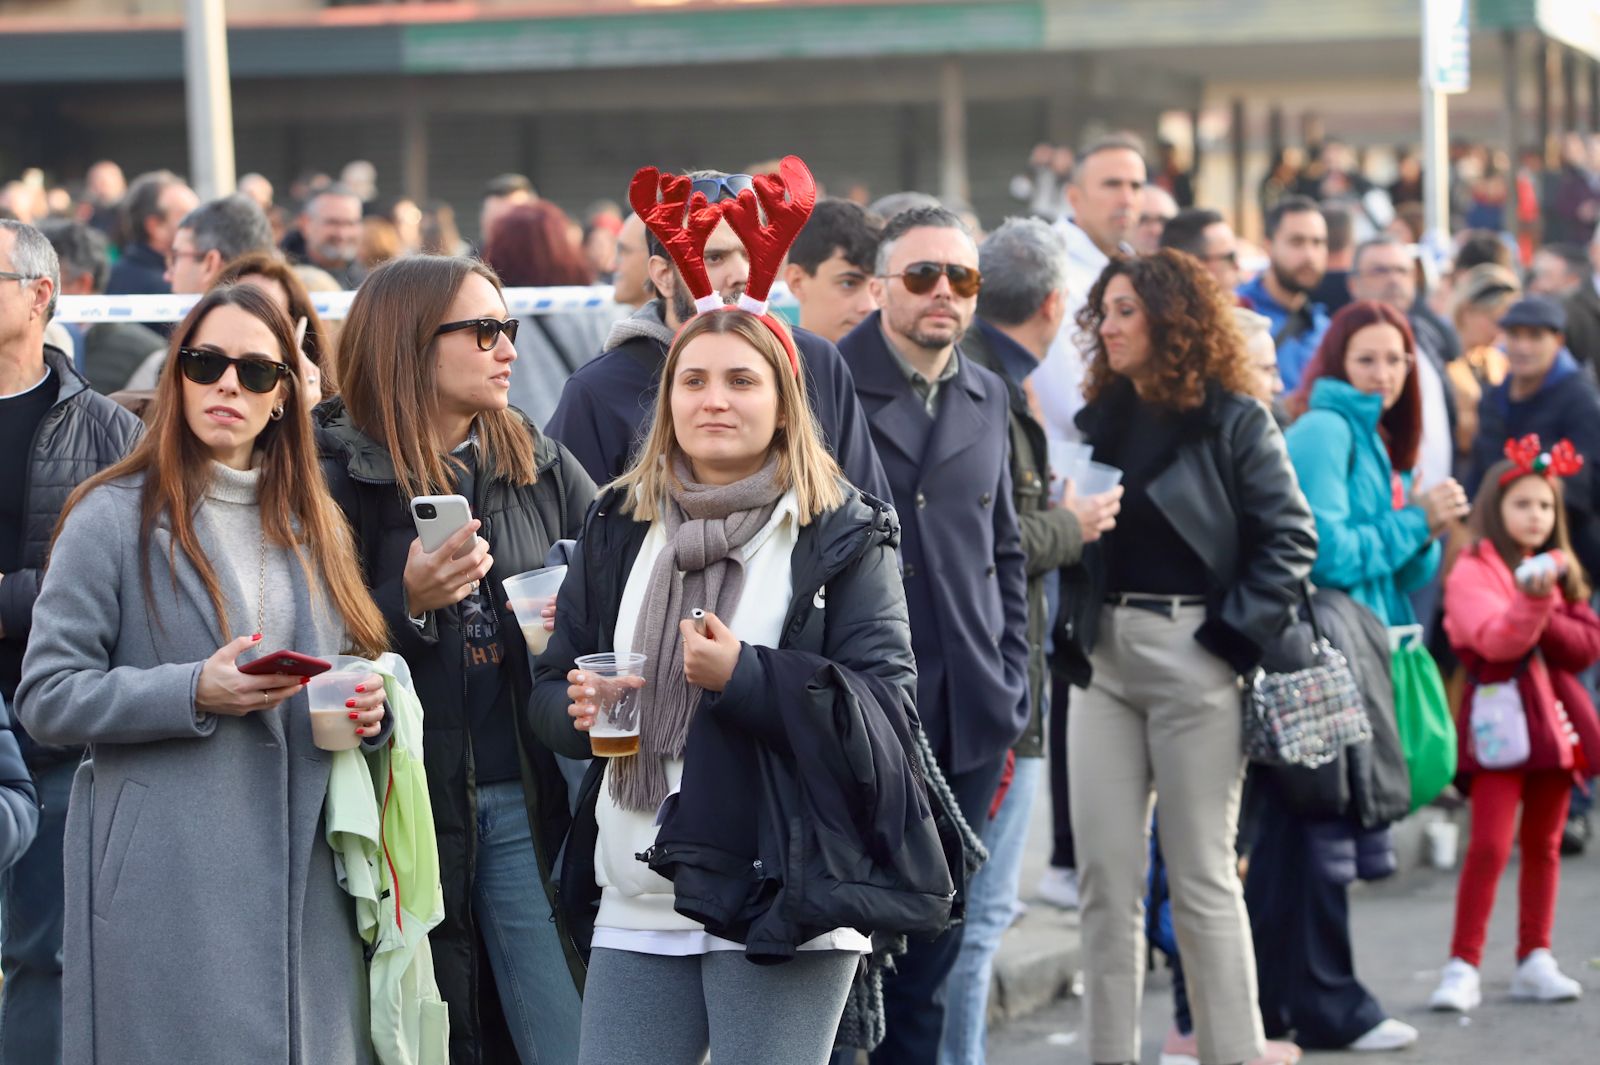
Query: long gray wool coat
{"x": 204, "y": 922}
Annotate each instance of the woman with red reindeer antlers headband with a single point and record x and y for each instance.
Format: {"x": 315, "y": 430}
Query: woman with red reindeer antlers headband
{"x": 605, "y": 405}
{"x": 762, "y": 739}
{"x": 1516, "y": 610}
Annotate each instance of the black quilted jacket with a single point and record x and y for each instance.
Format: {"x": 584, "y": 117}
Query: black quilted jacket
{"x": 81, "y": 435}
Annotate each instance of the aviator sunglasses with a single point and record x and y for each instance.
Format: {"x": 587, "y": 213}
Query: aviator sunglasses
{"x": 256, "y": 374}
{"x": 489, "y": 330}
{"x": 920, "y": 278}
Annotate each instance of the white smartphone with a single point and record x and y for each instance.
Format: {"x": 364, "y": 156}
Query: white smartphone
{"x": 438, "y": 518}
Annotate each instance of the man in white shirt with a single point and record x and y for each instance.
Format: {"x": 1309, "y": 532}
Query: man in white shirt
{"x": 1105, "y": 195}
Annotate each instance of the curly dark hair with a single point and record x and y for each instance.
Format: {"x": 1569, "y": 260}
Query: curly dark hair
{"x": 1193, "y": 338}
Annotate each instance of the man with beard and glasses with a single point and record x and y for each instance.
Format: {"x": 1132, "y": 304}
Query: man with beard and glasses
{"x": 942, "y": 426}
{"x": 1297, "y": 245}
{"x": 606, "y": 406}
{"x": 331, "y": 226}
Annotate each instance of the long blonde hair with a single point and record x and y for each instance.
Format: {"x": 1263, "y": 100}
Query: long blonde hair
{"x": 804, "y": 464}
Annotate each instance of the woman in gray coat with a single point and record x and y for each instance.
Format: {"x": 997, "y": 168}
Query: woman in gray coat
{"x": 204, "y": 919}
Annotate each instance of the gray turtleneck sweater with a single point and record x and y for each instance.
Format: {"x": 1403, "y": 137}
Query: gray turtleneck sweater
{"x": 232, "y": 508}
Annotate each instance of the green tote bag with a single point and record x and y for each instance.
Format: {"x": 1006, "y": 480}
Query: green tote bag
{"x": 1422, "y": 712}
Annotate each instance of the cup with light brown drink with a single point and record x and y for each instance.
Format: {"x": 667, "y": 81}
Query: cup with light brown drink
{"x": 616, "y": 677}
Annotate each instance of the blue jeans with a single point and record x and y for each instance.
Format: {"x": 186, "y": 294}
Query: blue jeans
{"x": 537, "y": 995}
{"x": 991, "y": 906}
{"x": 32, "y": 903}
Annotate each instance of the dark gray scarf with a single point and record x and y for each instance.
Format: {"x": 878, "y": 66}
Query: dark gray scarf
{"x": 700, "y": 566}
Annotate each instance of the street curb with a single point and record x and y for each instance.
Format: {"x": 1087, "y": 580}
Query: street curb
{"x": 1038, "y": 962}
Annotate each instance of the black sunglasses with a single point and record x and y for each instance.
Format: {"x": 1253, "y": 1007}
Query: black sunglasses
{"x": 920, "y": 278}
{"x": 489, "y": 330}
{"x": 717, "y": 189}
{"x": 256, "y": 374}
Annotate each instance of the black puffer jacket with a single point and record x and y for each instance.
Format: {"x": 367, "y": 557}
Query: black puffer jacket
{"x": 82, "y": 434}
{"x": 1231, "y": 493}
{"x": 521, "y": 524}
{"x": 848, "y": 607}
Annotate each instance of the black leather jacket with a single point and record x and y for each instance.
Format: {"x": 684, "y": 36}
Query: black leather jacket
{"x": 82, "y": 434}
{"x": 1231, "y": 493}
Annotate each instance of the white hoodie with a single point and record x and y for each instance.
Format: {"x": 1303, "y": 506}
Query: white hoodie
{"x": 1058, "y": 382}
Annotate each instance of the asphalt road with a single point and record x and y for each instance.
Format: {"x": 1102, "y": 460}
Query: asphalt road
{"x": 1402, "y": 934}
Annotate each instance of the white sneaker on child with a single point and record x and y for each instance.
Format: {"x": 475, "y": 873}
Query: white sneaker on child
{"x": 1458, "y": 988}
{"x": 1059, "y": 887}
{"x": 1539, "y": 979}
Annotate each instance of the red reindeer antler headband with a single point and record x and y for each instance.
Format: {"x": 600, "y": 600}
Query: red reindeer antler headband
{"x": 1528, "y": 458}
{"x": 683, "y": 221}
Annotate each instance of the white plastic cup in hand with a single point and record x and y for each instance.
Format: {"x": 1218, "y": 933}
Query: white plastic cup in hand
{"x": 328, "y": 693}
{"x": 1096, "y": 478}
{"x": 529, "y": 593}
{"x": 615, "y": 732}
{"x": 1067, "y": 460}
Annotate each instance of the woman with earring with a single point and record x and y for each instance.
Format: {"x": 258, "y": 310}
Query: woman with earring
{"x": 205, "y": 920}
{"x": 426, "y": 359}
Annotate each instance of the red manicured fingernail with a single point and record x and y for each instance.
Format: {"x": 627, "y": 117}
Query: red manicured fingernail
{"x": 305, "y": 680}
{"x": 257, "y": 636}
{"x": 358, "y": 732}
{"x": 354, "y": 716}
{"x": 361, "y": 687}
{"x": 349, "y": 702}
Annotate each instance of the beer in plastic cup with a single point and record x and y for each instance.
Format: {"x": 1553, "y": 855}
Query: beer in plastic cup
{"x": 529, "y": 593}
{"x": 331, "y": 727}
{"x": 616, "y": 678}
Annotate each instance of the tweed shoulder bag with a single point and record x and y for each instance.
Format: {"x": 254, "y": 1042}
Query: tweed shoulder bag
{"x": 1307, "y": 716}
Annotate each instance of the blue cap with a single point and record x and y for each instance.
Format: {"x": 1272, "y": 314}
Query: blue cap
{"x": 1536, "y": 312}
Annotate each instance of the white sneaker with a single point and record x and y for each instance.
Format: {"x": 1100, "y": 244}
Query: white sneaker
{"x": 1390, "y": 1035}
{"x": 1458, "y": 988}
{"x": 1059, "y": 887}
{"x": 1539, "y": 979}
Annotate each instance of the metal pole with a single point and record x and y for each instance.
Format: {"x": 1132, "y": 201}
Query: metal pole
{"x": 210, "y": 101}
{"x": 1511, "y": 74}
{"x": 1435, "y": 149}
{"x": 953, "y": 133}
{"x": 1237, "y": 137}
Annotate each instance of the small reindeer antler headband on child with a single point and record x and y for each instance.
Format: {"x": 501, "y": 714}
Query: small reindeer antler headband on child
{"x": 1528, "y": 457}
{"x": 683, "y": 222}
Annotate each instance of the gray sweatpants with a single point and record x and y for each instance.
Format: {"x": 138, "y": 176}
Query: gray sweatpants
{"x": 650, "y": 1009}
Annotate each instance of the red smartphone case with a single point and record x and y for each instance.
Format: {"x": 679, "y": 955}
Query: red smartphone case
{"x": 291, "y": 663}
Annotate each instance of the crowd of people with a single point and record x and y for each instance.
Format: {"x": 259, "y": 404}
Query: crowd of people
{"x": 998, "y": 517}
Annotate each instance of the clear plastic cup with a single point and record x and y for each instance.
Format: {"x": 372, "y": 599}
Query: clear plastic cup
{"x": 331, "y": 727}
{"x": 1096, "y": 478}
{"x": 616, "y": 678}
{"x": 529, "y": 593}
{"x": 1067, "y": 460}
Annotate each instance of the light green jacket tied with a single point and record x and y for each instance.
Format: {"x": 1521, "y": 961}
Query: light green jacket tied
{"x": 380, "y": 827}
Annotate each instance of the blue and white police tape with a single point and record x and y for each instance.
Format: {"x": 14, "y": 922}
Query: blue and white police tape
{"x": 521, "y": 302}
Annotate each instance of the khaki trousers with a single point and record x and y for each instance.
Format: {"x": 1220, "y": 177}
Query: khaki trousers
{"x": 1161, "y": 712}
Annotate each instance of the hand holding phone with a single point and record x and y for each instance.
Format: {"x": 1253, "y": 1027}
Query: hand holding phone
{"x": 224, "y": 688}
{"x": 448, "y": 558}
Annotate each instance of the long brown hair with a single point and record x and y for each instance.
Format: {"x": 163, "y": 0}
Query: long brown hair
{"x": 804, "y": 465}
{"x": 1193, "y": 337}
{"x": 1488, "y": 523}
{"x": 388, "y": 374}
{"x": 1401, "y": 423}
{"x": 273, "y": 267}
{"x": 297, "y": 511}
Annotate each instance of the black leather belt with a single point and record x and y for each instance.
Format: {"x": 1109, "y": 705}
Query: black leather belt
{"x": 1165, "y": 605}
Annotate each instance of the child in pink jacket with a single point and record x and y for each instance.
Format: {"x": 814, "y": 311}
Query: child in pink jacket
{"x": 1527, "y": 626}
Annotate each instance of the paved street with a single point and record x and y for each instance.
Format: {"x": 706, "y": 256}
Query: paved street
{"x": 1401, "y": 935}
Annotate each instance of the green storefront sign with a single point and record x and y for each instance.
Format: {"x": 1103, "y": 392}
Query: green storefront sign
{"x": 723, "y": 36}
